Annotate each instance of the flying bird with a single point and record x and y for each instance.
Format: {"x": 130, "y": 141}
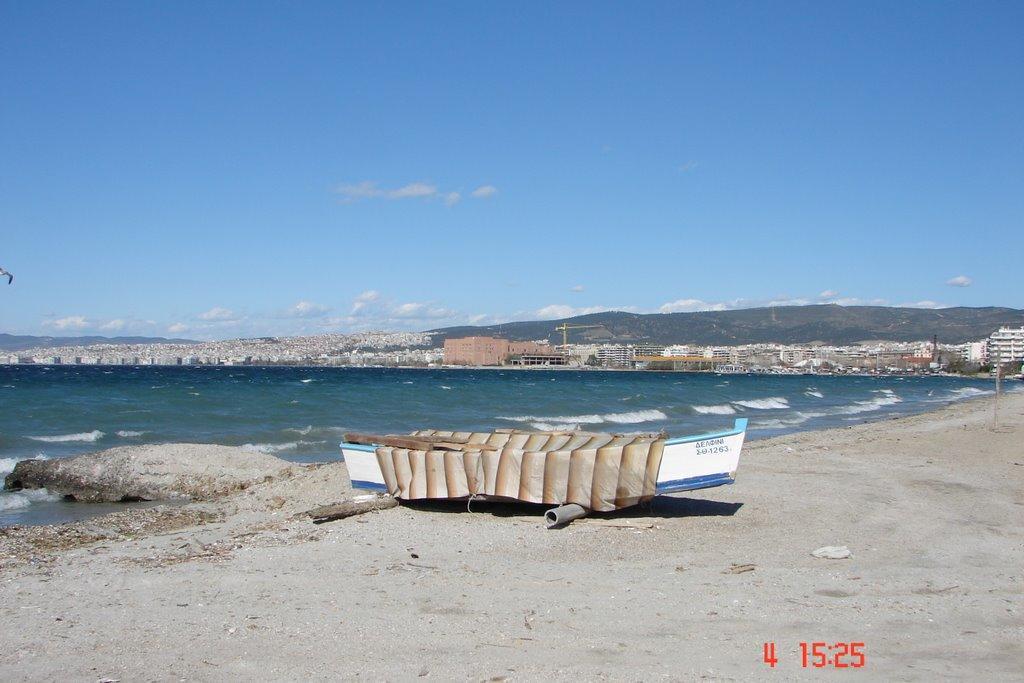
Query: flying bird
{"x": 10, "y": 278}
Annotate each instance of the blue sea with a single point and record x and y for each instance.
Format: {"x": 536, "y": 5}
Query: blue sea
{"x": 300, "y": 413}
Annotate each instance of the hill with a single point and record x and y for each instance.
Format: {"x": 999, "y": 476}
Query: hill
{"x": 18, "y": 342}
{"x": 826, "y": 323}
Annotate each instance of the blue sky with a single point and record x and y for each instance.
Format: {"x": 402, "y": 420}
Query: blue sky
{"x": 221, "y": 169}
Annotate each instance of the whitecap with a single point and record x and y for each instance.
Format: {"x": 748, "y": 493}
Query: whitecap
{"x": 630, "y": 417}
{"x": 94, "y": 435}
{"x": 547, "y": 427}
{"x": 17, "y": 500}
{"x": 723, "y": 409}
{"x": 815, "y": 393}
{"x": 445, "y": 387}
{"x": 770, "y": 403}
{"x": 129, "y": 434}
{"x": 277, "y": 447}
{"x": 967, "y": 392}
{"x": 7, "y": 464}
{"x": 306, "y": 381}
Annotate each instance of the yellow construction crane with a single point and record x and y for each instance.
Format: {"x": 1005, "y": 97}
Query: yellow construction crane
{"x": 564, "y": 329}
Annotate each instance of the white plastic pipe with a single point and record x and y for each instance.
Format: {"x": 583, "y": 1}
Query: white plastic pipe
{"x": 563, "y": 514}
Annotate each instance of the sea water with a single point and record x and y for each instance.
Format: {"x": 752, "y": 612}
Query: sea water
{"x": 300, "y": 413}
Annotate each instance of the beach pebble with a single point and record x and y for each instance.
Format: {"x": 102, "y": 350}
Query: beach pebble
{"x": 832, "y": 552}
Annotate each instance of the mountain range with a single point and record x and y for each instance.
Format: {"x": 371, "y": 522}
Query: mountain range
{"x": 825, "y": 323}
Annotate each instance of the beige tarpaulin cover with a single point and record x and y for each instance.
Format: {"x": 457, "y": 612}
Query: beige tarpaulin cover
{"x": 598, "y": 471}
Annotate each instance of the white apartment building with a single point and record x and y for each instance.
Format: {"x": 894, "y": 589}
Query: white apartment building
{"x": 974, "y": 352}
{"x": 1006, "y": 345}
{"x": 615, "y": 355}
{"x": 677, "y": 350}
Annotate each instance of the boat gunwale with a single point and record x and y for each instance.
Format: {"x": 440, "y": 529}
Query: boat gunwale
{"x": 739, "y": 426}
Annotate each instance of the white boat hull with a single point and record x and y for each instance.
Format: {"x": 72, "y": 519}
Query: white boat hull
{"x": 688, "y": 463}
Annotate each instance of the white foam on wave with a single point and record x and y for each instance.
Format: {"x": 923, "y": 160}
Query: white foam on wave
{"x": 129, "y": 434}
{"x": 886, "y": 398}
{"x": 797, "y": 418}
{"x": 968, "y": 392}
{"x": 443, "y": 386}
{"x": 94, "y": 435}
{"x": 723, "y": 409}
{"x": 309, "y": 429}
{"x": 7, "y": 464}
{"x": 278, "y": 447}
{"x": 548, "y": 427}
{"x": 627, "y": 418}
{"x": 16, "y": 500}
{"x": 770, "y": 403}
{"x": 306, "y": 381}
{"x": 815, "y": 393}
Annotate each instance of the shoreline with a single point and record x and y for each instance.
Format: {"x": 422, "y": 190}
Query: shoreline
{"x": 755, "y": 433}
{"x": 929, "y": 505}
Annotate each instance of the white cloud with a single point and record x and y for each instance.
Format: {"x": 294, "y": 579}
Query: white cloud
{"x": 177, "y": 328}
{"x": 960, "y": 281}
{"x": 71, "y": 322}
{"x": 924, "y": 304}
{"x": 113, "y": 325}
{"x": 364, "y": 300}
{"x": 484, "y": 191}
{"x": 217, "y": 314}
{"x": 576, "y": 288}
{"x": 420, "y": 311}
{"x": 412, "y": 190}
{"x": 828, "y": 294}
{"x": 554, "y": 311}
{"x": 307, "y": 309}
{"x": 796, "y": 301}
{"x": 368, "y": 189}
{"x": 690, "y": 305}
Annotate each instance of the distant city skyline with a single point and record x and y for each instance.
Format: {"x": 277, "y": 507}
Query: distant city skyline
{"x": 330, "y": 168}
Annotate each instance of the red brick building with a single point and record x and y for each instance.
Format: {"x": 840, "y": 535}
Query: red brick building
{"x": 488, "y": 350}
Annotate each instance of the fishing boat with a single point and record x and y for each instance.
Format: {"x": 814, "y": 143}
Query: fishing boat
{"x": 575, "y": 470}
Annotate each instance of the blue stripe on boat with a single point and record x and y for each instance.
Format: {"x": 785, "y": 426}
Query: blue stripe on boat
{"x": 358, "y": 447}
{"x": 703, "y": 482}
{"x": 738, "y": 427}
{"x": 372, "y": 485}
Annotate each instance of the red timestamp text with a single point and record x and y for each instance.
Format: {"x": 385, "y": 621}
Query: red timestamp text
{"x": 821, "y": 654}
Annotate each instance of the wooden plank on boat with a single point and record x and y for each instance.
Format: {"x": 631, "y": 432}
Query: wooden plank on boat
{"x": 416, "y": 443}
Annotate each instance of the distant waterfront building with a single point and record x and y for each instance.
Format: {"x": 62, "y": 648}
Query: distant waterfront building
{"x": 490, "y": 350}
{"x": 616, "y": 355}
{"x": 1006, "y": 345}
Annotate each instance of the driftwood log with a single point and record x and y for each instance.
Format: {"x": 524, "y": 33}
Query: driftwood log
{"x": 349, "y": 508}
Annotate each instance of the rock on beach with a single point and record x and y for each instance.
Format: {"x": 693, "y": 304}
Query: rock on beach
{"x": 154, "y": 472}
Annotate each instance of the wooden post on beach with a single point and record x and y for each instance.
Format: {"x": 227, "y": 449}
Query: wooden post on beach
{"x": 995, "y": 404}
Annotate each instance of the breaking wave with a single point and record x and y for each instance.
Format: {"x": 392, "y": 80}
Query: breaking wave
{"x": 771, "y": 403}
{"x": 723, "y": 409}
{"x": 967, "y": 392}
{"x": 548, "y": 427}
{"x": 94, "y": 435}
{"x": 628, "y": 418}
{"x": 886, "y": 397}
{"x": 129, "y": 434}
{"x": 815, "y": 393}
{"x": 16, "y": 500}
{"x": 7, "y": 464}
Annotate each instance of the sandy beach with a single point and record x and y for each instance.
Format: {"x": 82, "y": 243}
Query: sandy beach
{"x": 246, "y": 587}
